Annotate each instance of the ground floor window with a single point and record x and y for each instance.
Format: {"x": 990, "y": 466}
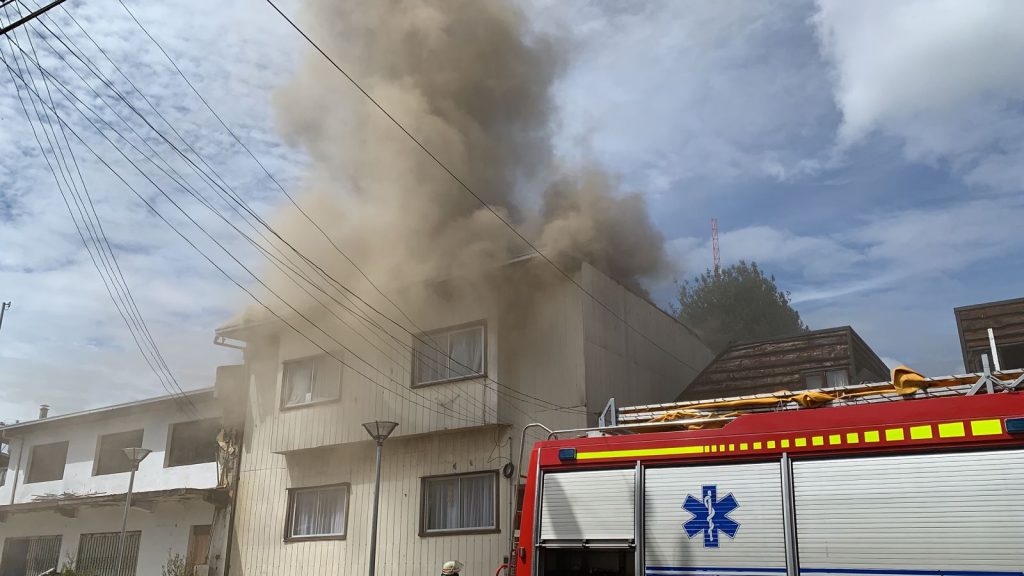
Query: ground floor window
{"x": 317, "y": 512}
{"x": 461, "y": 503}
{"x": 29, "y": 556}
{"x": 97, "y": 554}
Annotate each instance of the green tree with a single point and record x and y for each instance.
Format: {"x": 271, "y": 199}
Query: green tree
{"x": 736, "y": 304}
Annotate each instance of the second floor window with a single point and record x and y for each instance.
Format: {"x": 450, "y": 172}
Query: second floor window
{"x": 110, "y": 457}
{"x": 47, "y": 462}
{"x": 449, "y": 354}
{"x": 193, "y": 442}
{"x": 310, "y": 380}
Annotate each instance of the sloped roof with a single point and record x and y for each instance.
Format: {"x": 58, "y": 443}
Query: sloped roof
{"x": 780, "y": 363}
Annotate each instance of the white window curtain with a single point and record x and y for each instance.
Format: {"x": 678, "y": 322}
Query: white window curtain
{"x": 477, "y": 501}
{"x": 443, "y": 504}
{"x": 311, "y": 380}
{"x": 460, "y": 503}
{"x": 446, "y": 355}
{"x": 466, "y": 350}
{"x": 298, "y": 382}
{"x": 837, "y": 378}
{"x": 319, "y": 511}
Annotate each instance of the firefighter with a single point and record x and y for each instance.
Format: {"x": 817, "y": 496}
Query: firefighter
{"x": 451, "y": 568}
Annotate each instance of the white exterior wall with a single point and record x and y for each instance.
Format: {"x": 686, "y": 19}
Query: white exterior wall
{"x": 260, "y": 550}
{"x": 166, "y": 528}
{"x": 83, "y": 436}
{"x": 649, "y": 361}
{"x": 536, "y": 348}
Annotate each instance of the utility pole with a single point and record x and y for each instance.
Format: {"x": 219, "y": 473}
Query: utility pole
{"x": 3, "y": 308}
{"x": 715, "y": 254}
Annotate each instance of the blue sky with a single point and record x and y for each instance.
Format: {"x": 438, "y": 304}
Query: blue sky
{"x": 869, "y": 154}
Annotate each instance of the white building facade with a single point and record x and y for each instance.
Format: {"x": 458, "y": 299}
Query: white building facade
{"x": 462, "y": 385}
{"x": 63, "y": 496}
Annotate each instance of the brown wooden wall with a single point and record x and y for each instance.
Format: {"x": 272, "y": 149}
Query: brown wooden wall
{"x": 773, "y": 365}
{"x": 1006, "y": 318}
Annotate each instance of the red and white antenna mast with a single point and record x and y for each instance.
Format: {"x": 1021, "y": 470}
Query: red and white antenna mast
{"x": 714, "y": 246}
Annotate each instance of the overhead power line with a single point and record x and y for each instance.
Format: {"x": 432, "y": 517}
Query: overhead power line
{"x": 462, "y": 184}
{"x": 184, "y": 237}
{"x": 90, "y": 229}
{"x": 28, "y": 18}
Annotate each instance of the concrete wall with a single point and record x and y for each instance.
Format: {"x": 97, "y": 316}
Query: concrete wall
{"x": 649, "y": 361}
{"x": 83, "y": 435}
{"x": 167, "y": 527}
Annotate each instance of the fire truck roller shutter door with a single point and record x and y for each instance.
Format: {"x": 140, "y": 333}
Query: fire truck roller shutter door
{"x": 714, "y": 520}
{"x": 591, "y": 505}
{"x": 924, "y": 514}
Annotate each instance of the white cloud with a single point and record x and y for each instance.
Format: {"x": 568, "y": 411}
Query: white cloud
{"x": 684, "y": 92}
{"x": 943, "y": 76}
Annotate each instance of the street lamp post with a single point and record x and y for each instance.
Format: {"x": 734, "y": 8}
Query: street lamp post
{"x": 135, "y": 456}
{"x": 379, "y": 431}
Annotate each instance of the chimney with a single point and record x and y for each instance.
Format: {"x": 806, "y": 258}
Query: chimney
{"x": 44, "y": 411}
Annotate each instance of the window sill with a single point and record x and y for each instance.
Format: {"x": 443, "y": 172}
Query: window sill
{"x": 481, "y": 376}
{"x": 289, "y": 539}
{"x": 458, "y": 532}
{"x": 290, "y": 407}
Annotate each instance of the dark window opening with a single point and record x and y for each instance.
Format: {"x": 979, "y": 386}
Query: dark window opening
{"x": 110, "y": 457}
{"x": 30, "y": 556}
{"x": 193, "y": 442}
{"x": 47, "y": 462}
{"x": 1011, "y": 357}
{"x": 587, "y": 562}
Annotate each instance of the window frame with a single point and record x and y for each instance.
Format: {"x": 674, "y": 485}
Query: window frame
{"x": 99, "y": 450}
{"x": 4, "y": 559}
{"x": 419, "y": 339}
{"x": 289, "y": 537}
{"x": 824, "y": 376}
{"x": 314, "y": 358}
{"x": 32, "y": 462}
{"x": 424, "y": 532}
{"x": 170, "y": 442}
{"x": 128, "y": 534}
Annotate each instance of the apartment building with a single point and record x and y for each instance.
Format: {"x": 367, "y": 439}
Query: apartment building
{"x": 484, "y": 360}
{"x": 64, "y": 491}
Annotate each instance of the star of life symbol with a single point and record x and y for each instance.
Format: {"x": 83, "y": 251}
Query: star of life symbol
{"x": 710, "y": 516}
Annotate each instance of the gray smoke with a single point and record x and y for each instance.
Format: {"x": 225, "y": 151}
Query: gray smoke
{"x": 472, "y": 81}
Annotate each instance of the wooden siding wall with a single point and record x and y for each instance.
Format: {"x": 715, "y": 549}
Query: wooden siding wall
{"x": 625, "y": 365}
{"x": 1005, "y": 318}
{"x": 867, "y": 366}
{"x": 259, "y": 548}
{"x": 770, "y": 366}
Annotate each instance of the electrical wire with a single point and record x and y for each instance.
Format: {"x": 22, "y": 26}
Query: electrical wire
{"x": 226, "y": 274}
{"x": 126, "y": 313}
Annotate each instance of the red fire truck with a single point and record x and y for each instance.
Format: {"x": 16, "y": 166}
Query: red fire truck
{"x": 882, "y": 480}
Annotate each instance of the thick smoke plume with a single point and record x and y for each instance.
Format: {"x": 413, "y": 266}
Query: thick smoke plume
{"x": 472, "y": 81}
